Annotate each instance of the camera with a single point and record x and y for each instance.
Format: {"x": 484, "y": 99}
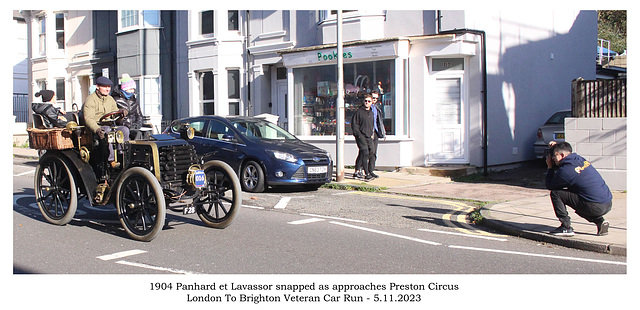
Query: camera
{"x": 547, "y": 152}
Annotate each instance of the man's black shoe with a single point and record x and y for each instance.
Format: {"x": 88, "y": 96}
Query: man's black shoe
{"x": 374, "y": 175}
{"x": 603, "y": 228}
{"x": 368, "y": 178}
{"x": 563, "y": 232}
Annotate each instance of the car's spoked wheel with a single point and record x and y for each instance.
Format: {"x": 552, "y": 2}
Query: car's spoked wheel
{"x": 140, "y": 203}
{"x": 55, "y": 190}
{"x": 252, "y": 177}
{"x": 221, "y": 198}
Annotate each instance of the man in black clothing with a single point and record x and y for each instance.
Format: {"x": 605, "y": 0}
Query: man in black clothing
{"x": 378, "y": 130}
{"x": 362, "y": 126}
{"x": 574, "y": 182}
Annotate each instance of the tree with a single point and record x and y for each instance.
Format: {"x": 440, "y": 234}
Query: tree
{"x": 612, "y": 26}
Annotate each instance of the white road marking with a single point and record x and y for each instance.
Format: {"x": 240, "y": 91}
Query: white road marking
{"x": 252, "y": 207}
{"x": 120, "y": 254}
{"x": 24, "y": 173}
{"x": 306, "y": 221}
{"x": 462, "y": 234}
{"x": 145, "y": 266}
{"x": 282, "y": 203}
{"x": 387, "y": 233}
{"x": 539, "y": 255}
{"x": 333, "y": 218}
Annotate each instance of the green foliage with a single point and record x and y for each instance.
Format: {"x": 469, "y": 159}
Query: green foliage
{"x": 612, "y": 26}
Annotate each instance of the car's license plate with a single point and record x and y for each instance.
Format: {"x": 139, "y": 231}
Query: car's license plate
{"x": 200, "y": 179}
{"x": 558, "y": 135}
{"x": 317, "y": 169}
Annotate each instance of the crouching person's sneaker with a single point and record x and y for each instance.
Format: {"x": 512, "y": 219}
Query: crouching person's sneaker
{"x": 603, "y": 228}
{"x": 563, "y": 232}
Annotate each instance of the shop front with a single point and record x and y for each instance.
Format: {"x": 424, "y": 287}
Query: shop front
{"x": 369, "y": 66}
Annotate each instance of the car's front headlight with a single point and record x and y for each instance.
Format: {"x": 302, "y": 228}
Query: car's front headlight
{"x": 283, "y": 156}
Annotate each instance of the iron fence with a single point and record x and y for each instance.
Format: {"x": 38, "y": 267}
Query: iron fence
{"x": 599, "y": 98}
{"x": 21, "y": 108}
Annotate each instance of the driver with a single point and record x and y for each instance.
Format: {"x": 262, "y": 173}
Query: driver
{"x": 97, "y": 105}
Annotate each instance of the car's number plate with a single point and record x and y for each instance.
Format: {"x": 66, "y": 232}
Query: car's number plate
{"x": 200, "y": 179}
{"x": 558, "y": 135}
{"x": 317, "y": 169}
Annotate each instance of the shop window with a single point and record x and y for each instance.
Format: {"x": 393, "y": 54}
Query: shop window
{"x": 315, "y": 94}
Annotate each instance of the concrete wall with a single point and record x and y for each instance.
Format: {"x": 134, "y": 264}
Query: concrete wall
{"x": 603, "y": 142}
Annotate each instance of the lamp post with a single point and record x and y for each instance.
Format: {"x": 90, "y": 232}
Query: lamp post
{"x": 340, "y": 104}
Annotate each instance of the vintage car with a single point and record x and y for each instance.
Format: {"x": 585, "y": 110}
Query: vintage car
{"x": 153, "y": 175}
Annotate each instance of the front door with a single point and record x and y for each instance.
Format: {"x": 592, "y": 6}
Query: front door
{"x": 281, "y": 105}
{"x": 448, "y": 140}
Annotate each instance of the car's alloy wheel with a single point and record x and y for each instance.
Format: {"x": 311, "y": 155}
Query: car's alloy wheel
{"x": 252, "y": 177}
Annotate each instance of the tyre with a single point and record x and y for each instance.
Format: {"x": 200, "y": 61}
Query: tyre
{"x": 56, "y": 192}
{"x": 140, "y": 204}
{"x": 220, "y": 200}
{"x": 252, "y": 177}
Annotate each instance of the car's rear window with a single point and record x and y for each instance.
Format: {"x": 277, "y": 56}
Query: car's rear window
{"x": 558, "y": 118}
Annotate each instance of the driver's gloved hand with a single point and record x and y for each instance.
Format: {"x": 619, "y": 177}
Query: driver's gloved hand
{"x": 100, "y": 132}
{"x": 124, "y": 112}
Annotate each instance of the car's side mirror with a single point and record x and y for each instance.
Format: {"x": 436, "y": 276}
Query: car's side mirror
{"x": 229, "y": 138}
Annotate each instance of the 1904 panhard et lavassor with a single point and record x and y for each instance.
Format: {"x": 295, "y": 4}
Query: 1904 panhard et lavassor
{"x": 154, "y": 174}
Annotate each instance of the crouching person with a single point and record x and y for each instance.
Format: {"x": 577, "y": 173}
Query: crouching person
{"x": 574, "y": 182}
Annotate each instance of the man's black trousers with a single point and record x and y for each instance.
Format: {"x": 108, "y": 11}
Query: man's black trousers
{"x": 366, "y": 154}
{"x": 590, "y": 211}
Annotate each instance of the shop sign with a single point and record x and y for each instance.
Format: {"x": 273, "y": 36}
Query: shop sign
{"x": 351, "y": 53}
{"x": 332, "y": 56}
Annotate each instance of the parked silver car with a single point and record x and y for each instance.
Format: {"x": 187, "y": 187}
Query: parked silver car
{"x": 552, "y": 130}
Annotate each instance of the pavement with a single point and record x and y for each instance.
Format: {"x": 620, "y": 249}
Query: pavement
{"x": 523, "y": 211}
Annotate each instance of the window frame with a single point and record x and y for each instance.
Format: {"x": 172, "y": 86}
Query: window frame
{"x": 233, "y": 90}
{"x": 231, "y": 24}
{"x": 209, "y": 101}
{"x": 148, "y": 93}
{"x": 140, "y": 19}
{"x": 60, "y": 32}
{"x": 42, "y": 34}
{"x": 202, "y": 26}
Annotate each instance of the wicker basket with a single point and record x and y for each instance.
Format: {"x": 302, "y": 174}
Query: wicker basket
{"x": 50, "y": 139}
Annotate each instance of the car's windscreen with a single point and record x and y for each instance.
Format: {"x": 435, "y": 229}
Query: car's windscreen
{"x": 261, "y": 130}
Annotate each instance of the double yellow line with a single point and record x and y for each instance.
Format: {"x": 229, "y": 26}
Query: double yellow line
{"x": 449, "y": 218}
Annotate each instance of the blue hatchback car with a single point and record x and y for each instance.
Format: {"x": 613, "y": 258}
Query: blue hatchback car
{"x": 261, "y": 153}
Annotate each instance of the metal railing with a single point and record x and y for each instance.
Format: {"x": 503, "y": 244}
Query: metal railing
{"x": 599, "y": 98}
{"x": 21, "y": 108}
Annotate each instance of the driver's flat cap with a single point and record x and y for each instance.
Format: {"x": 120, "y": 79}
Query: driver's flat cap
{"x": 103, "y": 81}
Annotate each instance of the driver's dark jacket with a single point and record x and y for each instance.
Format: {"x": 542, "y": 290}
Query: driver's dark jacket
{"x": 134, "y": 119}
{"x": 95, "y": 107}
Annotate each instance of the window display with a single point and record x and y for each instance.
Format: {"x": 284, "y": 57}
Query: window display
{"x": 316, "y": 95}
